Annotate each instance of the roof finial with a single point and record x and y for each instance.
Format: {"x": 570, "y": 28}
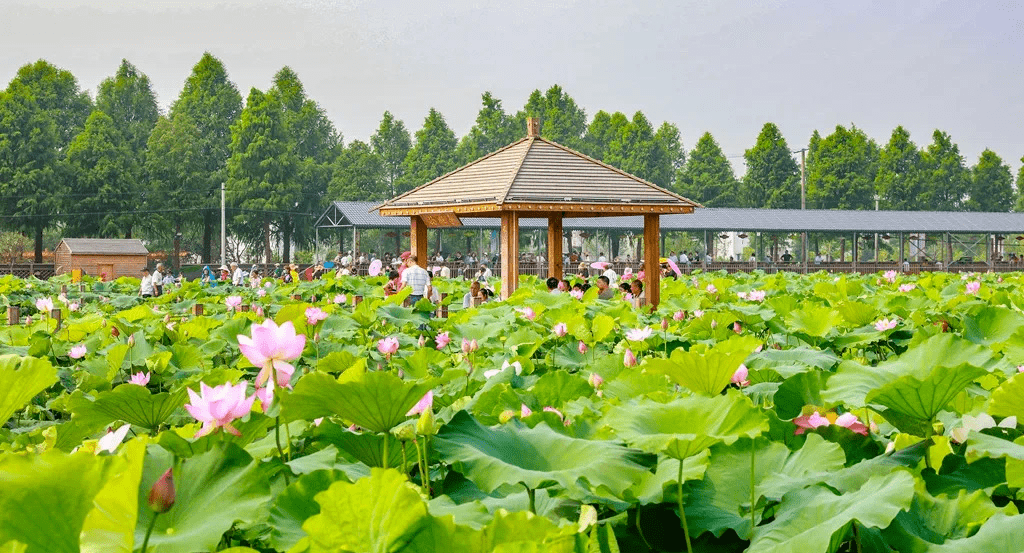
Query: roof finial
{"x": 532, "y": 127}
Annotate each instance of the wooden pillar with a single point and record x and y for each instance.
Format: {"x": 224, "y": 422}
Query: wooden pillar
{"x": 13, "y": 315}
{"x": 509, "y": 253}
{"x": 418, "y": 239}
{"x": 652, "y": 269}
{"x": 555, "y": 246}
{"x": 902, "y": 252}
{"x": 856, "y": 240}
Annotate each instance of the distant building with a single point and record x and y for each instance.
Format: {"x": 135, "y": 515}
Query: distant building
{"x": 96, "y": 257}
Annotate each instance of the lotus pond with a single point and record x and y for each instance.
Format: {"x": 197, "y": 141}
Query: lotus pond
{"x": 767, "y": 413}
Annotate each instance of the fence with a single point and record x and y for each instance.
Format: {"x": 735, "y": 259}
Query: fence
{"x": 25, "y": 270}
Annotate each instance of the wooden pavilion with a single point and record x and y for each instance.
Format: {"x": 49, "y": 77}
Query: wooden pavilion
{"x": 535, "y": 177}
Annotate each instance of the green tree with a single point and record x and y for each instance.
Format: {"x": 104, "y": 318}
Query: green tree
{"x": 358, "y": 175}
{"x": 899, "y": 178}
{"x": 561, "y": 120}
{"x": 773, "y": 176}
{"x": 603, "y": 129}
{"x": 212, "y": 103}
{"x": 671, "y": 141}
{"x": 261, "y": 169}
{"x": 41, "y": 110}
{"x": 494, "y": 129}
{"x": 1020, "y": 187}
{"x": 174, "y": 172}
{"x": 635, "y": 150}
{"x": 991, "y": 184}
{"x": 392, "y": 143}
{"x": 843, "y": 173}
{"x": 129, "y": 100}
{"x": 104, "y": 175}
{"x": 315, "y": 144}
{"x": 946, "y": 179}
{"x": 432, "y": 156}
{"x": 707, "y": 177}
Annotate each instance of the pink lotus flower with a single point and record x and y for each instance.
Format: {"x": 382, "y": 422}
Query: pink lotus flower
{"x": 233, "y": 302}
{"x": 266, "y": 396}
{"x": 711, "y": 289}
{"x": 890, "y": 276}
{"x": 882, "y": 325}
{"x": 639, "y": 334}
{"x": 271, "y": 347}
{"x": 698, "y": 313}
{"x": 561, "y": 286}
{"x": 387, "y": 346}
{"x": 973, "y": 287}
{"x": 595, "y": 380}
{"x": 581, "y": 347}
{"x": 664, "y": 324}
{"x": 524, "y": 411}
{"x": 78, "y": 351}
{"x": 112, "y": 439}
{"x": 469, "y": 346}
{"x": 739, "y": 377}
{"x": 340, "y": 299}
{"x": 528, "y": 313}
{"x": 756, "y": 295}
{"x": 679, "y": 315}
{"x": 73, "y": 306}
{"x": 737, "y": 327}
{"x": 907, "y": 287}
{"x": 218, "y": 407}
{"x": 628, "y": 359}
{"x": 560, "y": 329}
{"x": 314, "y": 315}
{"x": 45, "y": 305}
{"x": 578, "y": 294}
{"x": 810, "y": 422}
{"x": 849, "y": 420}
{"x": 424, "y": 404}
{"x": 741, "y": 295}
{"x": 442, "y": 339}
{"x": 1020, "y": 368}
{"x": 816, "y": 420}
{"x": 140, "y": 378}
{"x": 262, "y": 292}
{"x": 258, "y": 310}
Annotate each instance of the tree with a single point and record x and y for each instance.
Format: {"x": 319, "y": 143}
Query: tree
{"x": 602, "y": 130}
{"x": 946, "y": 179}
{"x": 212, "y": 103}
{"x": 899, "y": 178}
{"x": 261, "y": 169}
{"x": 494, "y": 129}
{"x": 315, "y": 144}
{"x": 104, "y": 175}
{"x": 392, "y": 143}
{"x": 13, "y": 246}
{"x": 40, "y": 112}
{"x": 669, "y": 137}
{"x": 773, "y": 176}
{"x": 432, "y": 156}
{"x": 358, "y": 175}
{"x": 843, "y": 173}
{"x": 707, "y": 177}
{"x": 1020, "y": 187}
{"x": 128, "y": 99}
{"x": 991, "y": 184}
{"x": 635, "y": 150}
{"x": 561, "y": 120}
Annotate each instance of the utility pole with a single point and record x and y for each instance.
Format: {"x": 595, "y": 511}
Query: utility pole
{"x": 803, "y": 198}
{"x": 223, "y": 230}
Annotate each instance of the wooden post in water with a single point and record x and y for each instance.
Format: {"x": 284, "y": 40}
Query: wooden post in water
{"x": 442, "y": 311}
{"x": 297, "y": 297}
{"x": 56, "y": 314}
{"x": 13, "y": 315}
{"x": 197, "y": 309}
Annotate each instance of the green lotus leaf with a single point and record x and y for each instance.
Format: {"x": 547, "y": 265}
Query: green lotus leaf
{"x": 130, "y": 403}
{"x": 556, "y": 388}
{"x": 921, "y": 399}
{"x": 296, "y": 504}
{"x": 1000, "y": 533}
{"x": 982, "y": 445}
{"x": 21, "y": 378}
{"x": 1008, "y": 399}
{"x": 814, "y": 320}
{"x": 365, "y": 448}
{"x": 536, "y": 457}
{"x": 110, "y": 526}
{"x": 13, "y": 546}
{"x": 706, "y": 372}
{"x": 934, "y": 519}
{"x": 797, "y": 391}
{"x": 36, "y": 489}
{"x": 374, "y": 400}
{"x": 992, "y": 325}
{"x": 688, "y": 425}
{"x": 810, "y": 519}
{"x": 213, "y": 491}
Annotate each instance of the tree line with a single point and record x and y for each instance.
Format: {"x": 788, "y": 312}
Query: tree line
{"x": 115, "y": 166}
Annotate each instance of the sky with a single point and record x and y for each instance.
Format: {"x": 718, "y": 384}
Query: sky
{"x": 724, "y": 66}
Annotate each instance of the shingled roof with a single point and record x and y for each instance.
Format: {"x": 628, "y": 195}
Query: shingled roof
{"x": 106, "y": 246}
{"x": 538, "y": 175}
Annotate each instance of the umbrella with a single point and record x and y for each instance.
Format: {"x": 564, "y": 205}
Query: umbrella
{"x": 328, "y": 264}
{"x": 375, "y": 266}
{"x": 600, "y": 265}
{"x": 675, "y": 268}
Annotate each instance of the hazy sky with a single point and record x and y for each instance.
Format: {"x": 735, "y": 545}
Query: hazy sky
{"x": 723, "y": 66}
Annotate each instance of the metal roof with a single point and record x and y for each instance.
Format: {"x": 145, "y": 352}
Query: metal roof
{"x": 536, "y": 171}
{"x": 360, "y": 215}
{"x": 106, "y": 246}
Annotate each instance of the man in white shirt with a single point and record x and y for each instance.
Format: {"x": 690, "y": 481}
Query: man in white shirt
{"x": 484, "y": 273}
{"x": 683, "y": 259}
{"x": 602, "y": 258}
{"x": 237, "y": 276}
{"x": 415, "y": 277}
{"x": 146, "y": 287}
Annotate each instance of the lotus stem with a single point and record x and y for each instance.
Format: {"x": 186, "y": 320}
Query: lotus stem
{"x": 640, "y": 530}
{"x": 753, "y": 496}
{"x": 280, "y": 450}
{"x": 152, "y": 524}
{"x": 533, "y": 499}
{"x": 384, "y": 459}
{"x": 405, "y": 465}
{"x": 682, "y": 512}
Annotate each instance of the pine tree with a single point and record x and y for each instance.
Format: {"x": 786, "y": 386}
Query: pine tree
{"x": 899, "y": 178}
{"x": 991, "y": 184}
{"x": 773, "y": 176}
{"x": 358, "y": 175}
{"x": 843, "y": 174}
{"x": 104, "y": 175}
{"x": 432, "y": 156}
{"x": 707, "y": 177}
{"x": 392, "y": 143}
{"x": 946, "y": 178}
{"x": 494, "y": 129}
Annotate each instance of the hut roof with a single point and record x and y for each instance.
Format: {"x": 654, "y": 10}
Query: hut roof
{"x": 106, "y": 246}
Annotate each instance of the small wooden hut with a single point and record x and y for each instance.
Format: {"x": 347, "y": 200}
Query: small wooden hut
{"x": 113, "y": 257}
{"x": 535, "y": 177}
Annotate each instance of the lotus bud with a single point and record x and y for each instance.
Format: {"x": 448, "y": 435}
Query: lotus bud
{"x": 595, "y": 380}
{"x": 506, "y": 416}
{"x": 737, "y": 327}
{"x": 628, "y": 358}
{"x": 406, "y": 432}
{"x": 131, "y": 340}
{"x": 114, "y": 332}
{"x": 714, "y": 323}
{"x": 316, "y": 336}
{"x": 28, "y": 320}
{"x": 425, "y": 424}
{"x": 422, "y": 341}
{"x": 582, "y": 347}
{"x": 161, "y": 495}
{"x": 167, "y": 318}
{"x": 679, "y": 315}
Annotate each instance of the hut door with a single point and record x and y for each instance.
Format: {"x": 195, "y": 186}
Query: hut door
{"x": 106, "y": 271}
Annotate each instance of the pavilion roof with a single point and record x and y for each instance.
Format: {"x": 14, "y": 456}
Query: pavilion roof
{"x": 537, "y": 176}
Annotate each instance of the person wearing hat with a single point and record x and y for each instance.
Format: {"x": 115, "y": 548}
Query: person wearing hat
{"x": 146, "y": 286}
{"x": 225, "y": 273}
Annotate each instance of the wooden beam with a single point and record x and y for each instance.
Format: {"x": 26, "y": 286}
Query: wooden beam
{"x": 418, "y": 239}
{"x": 652, "y": 269}
{"x": 509, "y": 253}
{"x": 555, "y": 246}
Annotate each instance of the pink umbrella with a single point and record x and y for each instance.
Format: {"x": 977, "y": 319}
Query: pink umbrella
{"x": 375, "y": 266}
{"x": 600, "y": 265}
{"x": 675, "y": 268}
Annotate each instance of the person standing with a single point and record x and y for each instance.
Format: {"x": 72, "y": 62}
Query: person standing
{"x": 158, "y": 280}
{"x": 237, "y": 277}
{"x": 415, "y": 277}
{"x": 146, "y": 286}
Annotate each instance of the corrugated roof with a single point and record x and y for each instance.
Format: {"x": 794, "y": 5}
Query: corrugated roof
{"x": 539, "y": 171}
{"x": 106, "y": 246}
{"x": 751, "y": 220}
